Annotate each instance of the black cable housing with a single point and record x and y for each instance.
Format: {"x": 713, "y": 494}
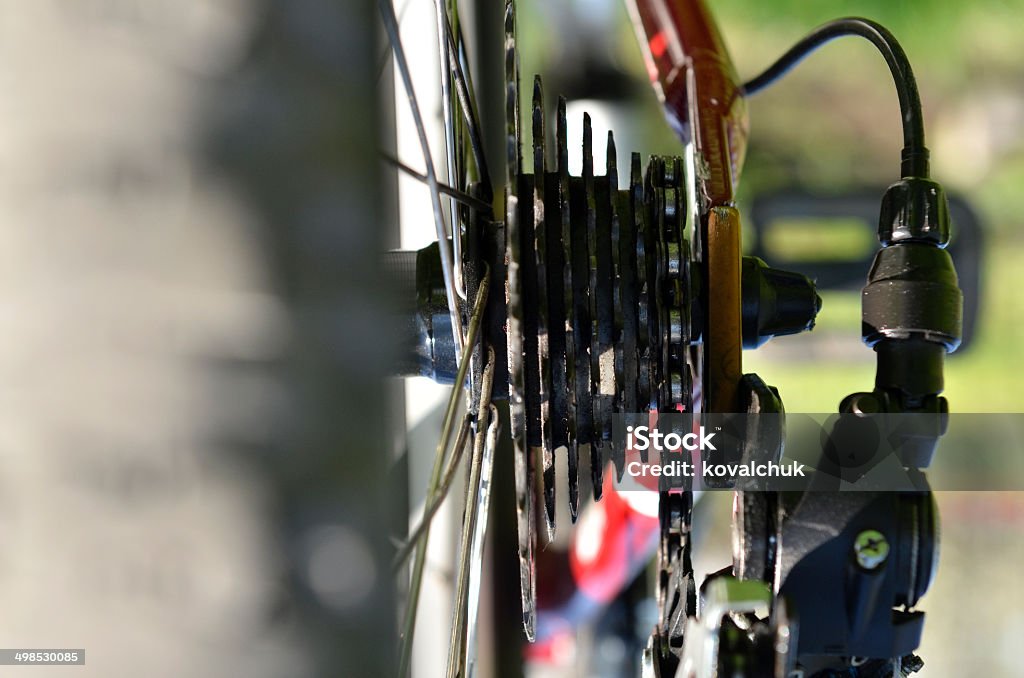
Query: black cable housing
{"x": 915, "y": 154}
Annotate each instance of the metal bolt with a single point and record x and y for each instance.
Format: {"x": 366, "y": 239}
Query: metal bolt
{"x": 871, "y": 549}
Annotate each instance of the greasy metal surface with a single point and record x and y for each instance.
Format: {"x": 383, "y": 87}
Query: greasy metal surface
{"x": 538, "y": 302}
{"x": 525, "y": 502}
{"x": 598, "y": 311}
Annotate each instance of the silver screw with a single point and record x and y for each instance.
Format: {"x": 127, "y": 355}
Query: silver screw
{"x": 871, "y": 549}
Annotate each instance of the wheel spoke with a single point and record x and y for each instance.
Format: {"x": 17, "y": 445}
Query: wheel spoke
{"x": 387, "y": 12}
{"x": 467, "y": 101}
{"x": 460, "y": 196}
{"x": 449, "y": 138}
{"x": 476, "y": 557}
{"x": 405, "y": 550}
{"x": 409, "y": 625}
{"x": 477, "y": 496}
{"x": 385, "y": 55}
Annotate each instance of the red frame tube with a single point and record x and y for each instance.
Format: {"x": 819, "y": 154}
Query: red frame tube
{"x": 693, "y": 75}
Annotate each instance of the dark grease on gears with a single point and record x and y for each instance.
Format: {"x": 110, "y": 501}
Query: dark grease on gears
{"x": 606, "y": 301}
{"x": 599, "y": 315}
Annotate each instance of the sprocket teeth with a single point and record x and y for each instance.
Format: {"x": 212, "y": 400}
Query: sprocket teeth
{"x": 598, "y": 298}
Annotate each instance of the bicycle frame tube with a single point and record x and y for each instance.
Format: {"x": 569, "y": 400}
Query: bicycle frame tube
{"x": 694, "y": 77}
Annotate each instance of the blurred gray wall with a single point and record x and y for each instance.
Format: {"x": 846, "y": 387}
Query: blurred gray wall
{"x": 182, "y": 347}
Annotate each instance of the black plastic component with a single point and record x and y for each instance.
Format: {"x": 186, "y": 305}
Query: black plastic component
{"x": 864, "y": 613}
{"x": 835, "y": 268}
{"x": 912, "y": 306}
{"x": 913, "y": 293}
{"x": 914, "y": 210}
{"x": 775, "y": 302}
{"x": 914, "y": 438}
{"x": 913, "y": 367}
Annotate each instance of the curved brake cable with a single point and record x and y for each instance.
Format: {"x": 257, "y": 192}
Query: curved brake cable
{"x": 915, "y": 154}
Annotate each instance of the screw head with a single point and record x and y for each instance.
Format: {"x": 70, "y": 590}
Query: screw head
{"x": 871, "y": 549}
